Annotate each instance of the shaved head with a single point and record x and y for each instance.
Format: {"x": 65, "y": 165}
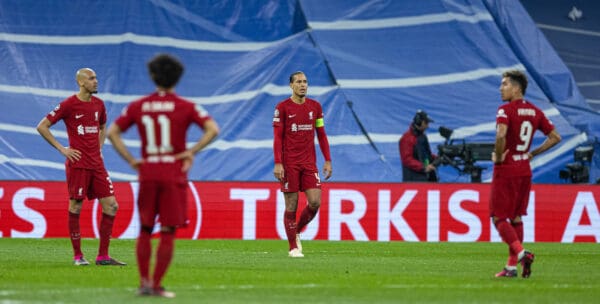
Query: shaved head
{"x": 87, "y": 81}
{"x": 83, "y": 73}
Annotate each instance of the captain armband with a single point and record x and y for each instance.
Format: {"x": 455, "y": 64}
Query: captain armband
{"x": 319, "y": 122}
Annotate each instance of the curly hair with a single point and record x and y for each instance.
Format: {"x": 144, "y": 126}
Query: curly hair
{"x": 165, "y": 70}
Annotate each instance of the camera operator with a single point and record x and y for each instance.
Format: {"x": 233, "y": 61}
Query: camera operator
{"x": 415, "y": 153}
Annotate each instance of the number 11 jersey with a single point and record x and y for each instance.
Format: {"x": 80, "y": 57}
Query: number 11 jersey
{"x": 162, "y": 120}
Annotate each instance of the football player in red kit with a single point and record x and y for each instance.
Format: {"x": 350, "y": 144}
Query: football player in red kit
{"x": 295, "y": 122}
{"x": 162, "y": 119}
{"x": 516, "y": 122}
{"x": 84, "y": 116}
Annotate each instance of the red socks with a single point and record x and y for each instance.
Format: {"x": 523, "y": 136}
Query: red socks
{"x": 289, "y": 222}
{"x": 75, "y": 234}
{"x": 519, "y": 230}
{"x": 164, "y": 255}
{"x": 106, "y": 225}
{"x": 307, "y": 215}
{"x": 143, "y": 250}
{"x": 513, "y": 257}
{"x": 291, "y": 228}
{"x": 509, "y": 236}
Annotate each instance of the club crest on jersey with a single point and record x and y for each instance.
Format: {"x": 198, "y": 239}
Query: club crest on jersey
{"x": 96, "y": 115}
{"x": 310, "y": 115}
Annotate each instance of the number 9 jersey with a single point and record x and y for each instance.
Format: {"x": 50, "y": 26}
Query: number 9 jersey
{"x": 522, "y": 119}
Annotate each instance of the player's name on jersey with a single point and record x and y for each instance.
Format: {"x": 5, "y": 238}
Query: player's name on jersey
{"x": 158, "y": 106}
{"x": 526, "y": 112}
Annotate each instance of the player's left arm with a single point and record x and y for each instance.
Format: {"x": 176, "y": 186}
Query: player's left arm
{"x": 211, "y": 130}
{"x": 324, "y": 146}
{"x": 102, "y": 135}
{"x": 552, "y": 139}
{"x": 114, "y": 135}
{"x": 102, "y": 130}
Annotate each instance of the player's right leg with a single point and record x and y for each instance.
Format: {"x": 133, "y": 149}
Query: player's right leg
{"x": 510, "y": 270}
{"x": 75, "y": 232}
{"x": 507, "y": 273}
{"x": 289, "y": 223}
{"x": 290, "y": 185}
{"x": 76, "y": 181}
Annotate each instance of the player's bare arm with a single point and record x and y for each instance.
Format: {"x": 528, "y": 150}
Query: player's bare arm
{"x": 552, "y": 139}
{"x": 327, "y": 169}
{"x": 43, "y": 128}
{"x": 211, "y": 130}
{"x": 114, "y": 135}
{"x": 500, "y": 147}
{"x": 278, "y": 171}
{"x": 102, "y": 135}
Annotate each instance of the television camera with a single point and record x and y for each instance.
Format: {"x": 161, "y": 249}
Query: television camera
{"x": 579, "y": 171}
{"x": 463, "y": 156}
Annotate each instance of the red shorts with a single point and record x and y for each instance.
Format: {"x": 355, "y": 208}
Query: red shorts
{"x": 300, "y": 178}
{"x": 509, "y": 196}
{"x": 167, "y": 199}
{"x": 90, "y": 183}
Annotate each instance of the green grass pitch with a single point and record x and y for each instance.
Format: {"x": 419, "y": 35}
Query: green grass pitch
{"x": 235, "y": 271}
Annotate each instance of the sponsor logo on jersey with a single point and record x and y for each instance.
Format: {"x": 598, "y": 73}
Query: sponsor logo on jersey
{"x": 80, "y": 115}
{"x": 81, "y": 130}
{"x": 304, "y": 127}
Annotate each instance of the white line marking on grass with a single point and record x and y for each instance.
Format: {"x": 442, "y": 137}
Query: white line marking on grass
{"x": 246, "y": 286}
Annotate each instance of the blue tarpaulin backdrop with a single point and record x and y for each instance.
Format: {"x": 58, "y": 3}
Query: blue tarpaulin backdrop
{"x": 372, "y": 64}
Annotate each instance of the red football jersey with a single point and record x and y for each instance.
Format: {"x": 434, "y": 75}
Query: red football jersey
{"x": 522, "y": 119}
{"x": 83, "y": 120}
{"x": 298, "y": 123}
{"x": 162, "y": 120}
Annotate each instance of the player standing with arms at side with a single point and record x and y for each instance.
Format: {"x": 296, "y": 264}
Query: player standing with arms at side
{"x": 295, "y": 122}
{"x": 516, "y": 122}
{"x": 162, "y": 120}
{"x": 84, "y": 116}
